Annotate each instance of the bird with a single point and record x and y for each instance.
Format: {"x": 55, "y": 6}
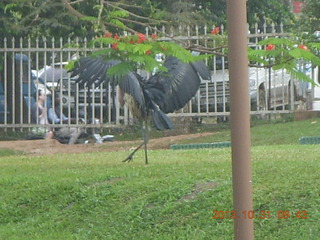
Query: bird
{"x": 149, "y": 99}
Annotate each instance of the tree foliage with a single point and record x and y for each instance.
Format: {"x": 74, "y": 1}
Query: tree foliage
{"x": 91, "y": 18}
{"x": 137, "y": 52}
{"x": 86, "y": 18}
{"x": 282, "y": 53}
{"x": 271, "y": 11}
{"x": 309, "y": 20}
{"x": 41, "y": 17}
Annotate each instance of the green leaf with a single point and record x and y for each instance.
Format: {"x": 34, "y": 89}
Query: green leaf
{"x": 105, "y": 41}
{"x": 276, "y": 41}
{"x": 259, "y": 53}
{"x": 118, "y": 23}
{"x": 151, "y": 64}
{"x": 137, "y": 58}
{"x": 314, "y": 45}
{"x": 123, "y": 47}
{"x": 177, "y": 51}
{"x": 9, "y": 6}
{"x": 141, "y": 48}
{"x": 121, "y": 69}
{"x": 118, "y": 13}
{"x": 306, "y": 55}
{"x": 296, "y": 74}
{"x": 103, "y": 52}
{"x": 89, "y": 19}
{"x": 70, "y": 65}
{"x": 284, "y": 65}
{"x": 257, "y": 56}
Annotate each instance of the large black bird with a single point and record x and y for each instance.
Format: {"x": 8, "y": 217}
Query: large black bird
{"x": 152, "y": 98}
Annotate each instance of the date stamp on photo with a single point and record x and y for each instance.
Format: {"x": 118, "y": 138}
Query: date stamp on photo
{"x": 303, "y": 214}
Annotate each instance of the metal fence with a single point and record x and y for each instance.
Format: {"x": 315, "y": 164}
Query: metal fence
{"x": 33, "y": 64}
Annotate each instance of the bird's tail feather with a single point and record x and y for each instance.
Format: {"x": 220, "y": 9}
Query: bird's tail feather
{"x": 161, "y": 120}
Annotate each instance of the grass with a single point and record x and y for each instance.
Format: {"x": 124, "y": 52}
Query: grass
{"x": 9, "y": 152}
{"x": 95, "y": 196}
{"x": 267, "y": 134}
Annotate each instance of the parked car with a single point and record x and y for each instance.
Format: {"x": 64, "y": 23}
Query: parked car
{"x": 267, "y": 89}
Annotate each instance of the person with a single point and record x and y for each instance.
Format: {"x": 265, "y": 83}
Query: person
{"x": 39, "y": 116}
{"x": 56, "y": 116}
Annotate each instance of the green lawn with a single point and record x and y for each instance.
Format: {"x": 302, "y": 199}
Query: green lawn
{"x": 96, "y": 196}
{"x": 267, "y": 134}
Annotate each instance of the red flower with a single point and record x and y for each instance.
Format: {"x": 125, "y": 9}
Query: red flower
{"x": 303, "y": 47}
{"x": 114, "y": 46}
{"x": 154, "y": 36}
{"x": 148, "y": 52}
{"x": 270, "y": 47}
{"x": 131, "y": 41}
{"x": 142, "y": 38}
{"x": 107, "y": 35}
{"x": 116, "y": 36}
{"x": 215, "y": 31}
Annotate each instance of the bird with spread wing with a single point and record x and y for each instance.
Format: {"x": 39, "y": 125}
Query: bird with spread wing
{"x": 147, "y": 99}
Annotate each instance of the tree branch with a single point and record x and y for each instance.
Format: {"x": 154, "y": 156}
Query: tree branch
{"x": 132, "y": 14}
{"x": 198, "y": 48}
{"x": 71, "y": 9}
{"x": 133, "y": 21}
{"x": 116, "y": 4}
{"x": 75, "y": 2}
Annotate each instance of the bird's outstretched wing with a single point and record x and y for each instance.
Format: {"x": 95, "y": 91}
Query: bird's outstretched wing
{"x": 171, "y": 90}
{"x": 92, "y": 70}
{"x": 164, "y": 92}
{"x": 201, "y": 68}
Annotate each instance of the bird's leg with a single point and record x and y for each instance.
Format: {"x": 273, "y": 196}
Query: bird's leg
{"x": 129, "y": 158}
{"x": 145, "y": 129}
{"x": 145, "y": 136}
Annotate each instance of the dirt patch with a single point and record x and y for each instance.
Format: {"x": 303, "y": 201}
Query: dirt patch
{"x": 199, "y": 188}
{"x": 52, "y": 146}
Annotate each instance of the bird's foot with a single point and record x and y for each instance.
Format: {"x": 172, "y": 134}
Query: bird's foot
{"x": 128, "y": 159}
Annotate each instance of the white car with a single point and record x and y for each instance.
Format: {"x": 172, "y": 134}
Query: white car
{"x": 268, "y": 89}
